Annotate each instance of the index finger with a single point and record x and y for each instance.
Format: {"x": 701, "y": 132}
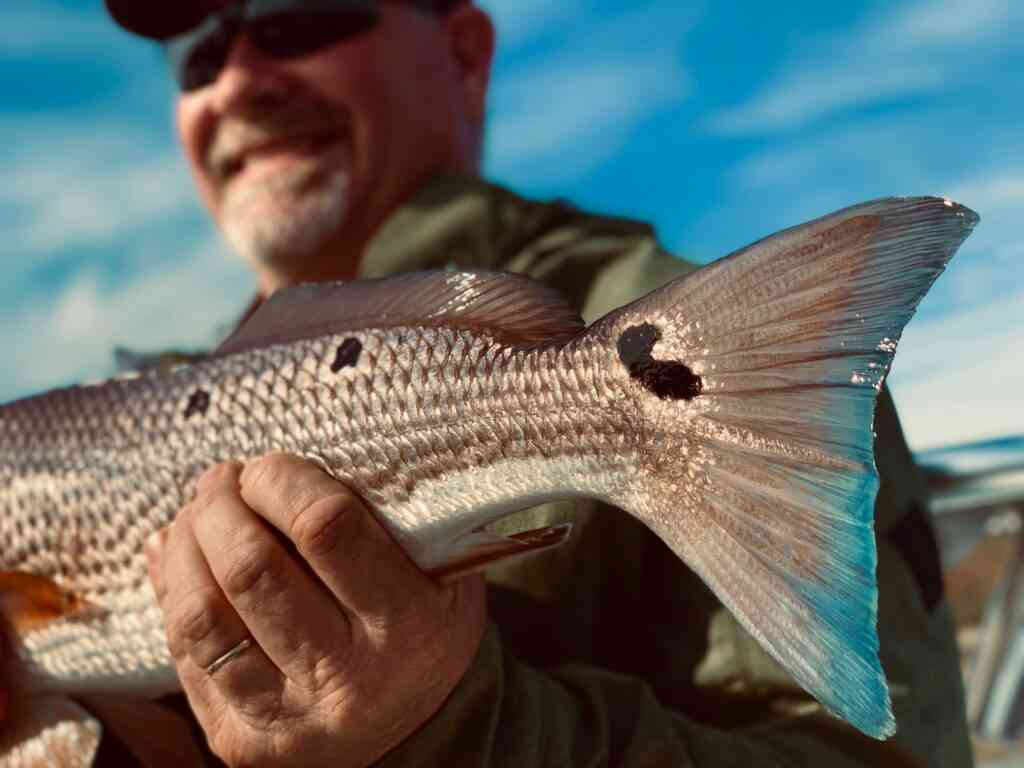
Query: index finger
{"x": 347, "y": 548}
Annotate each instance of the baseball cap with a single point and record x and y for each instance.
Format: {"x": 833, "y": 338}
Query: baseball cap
{"x": 160, "y": 20}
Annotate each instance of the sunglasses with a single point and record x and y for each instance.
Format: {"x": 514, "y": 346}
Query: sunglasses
{"x": 280, "y": 29}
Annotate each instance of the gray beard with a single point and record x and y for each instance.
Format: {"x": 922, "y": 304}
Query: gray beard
{"x": 291, "y": 225}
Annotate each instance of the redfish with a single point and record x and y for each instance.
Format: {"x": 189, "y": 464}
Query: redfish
{"x": 730, "y": 410}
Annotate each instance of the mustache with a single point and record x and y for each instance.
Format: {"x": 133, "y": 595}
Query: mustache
{"x": 236, "y": 135}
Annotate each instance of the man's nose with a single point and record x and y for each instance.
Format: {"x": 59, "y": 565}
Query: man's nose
{"x": 250, "y": 80}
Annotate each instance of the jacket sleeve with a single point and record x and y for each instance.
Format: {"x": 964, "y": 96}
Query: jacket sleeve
{"x": 731, "y": 705}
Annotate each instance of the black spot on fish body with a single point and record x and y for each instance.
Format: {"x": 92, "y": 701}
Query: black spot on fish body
{"x": 668, "y": 379}
{"x": 636, "y": 343}
{"x": 347, "y": 355}
{"x": 199, "y": 403}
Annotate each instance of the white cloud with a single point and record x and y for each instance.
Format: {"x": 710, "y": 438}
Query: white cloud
{"x": 998, "y": 195}
{"x": 561, "y": 115}
{"x": 792, "y": 181}
{"x": 910, "y": 49}
{"x": 801, "y": 96}
{"x": 183, "y": 299}
{"x": 84, "y": 189}
{"x": 998, "y": 189}
{"x": 99, "y": 217}
{"x": 920, "y": 153}
{"x": 946, "y": 22}
{"x": 892, "y": 147}
{"x": 960, "y": 378}
{"x": 571, "y": 116}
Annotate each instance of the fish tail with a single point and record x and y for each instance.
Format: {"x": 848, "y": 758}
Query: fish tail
{"x": 756, "y": 380}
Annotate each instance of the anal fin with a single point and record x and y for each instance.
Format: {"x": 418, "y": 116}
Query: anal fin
{"x": 481, "y": 549}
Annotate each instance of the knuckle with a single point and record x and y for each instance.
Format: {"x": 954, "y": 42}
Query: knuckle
{"x": 252, "y": 566}
{"x": 265, "y": 471}
{"x": 189, "y": 624}
{"x": 322, "y": 526}
{"x": 211, "y": 496}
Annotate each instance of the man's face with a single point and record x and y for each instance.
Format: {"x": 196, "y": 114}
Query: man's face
{"x": 300, "y": 160}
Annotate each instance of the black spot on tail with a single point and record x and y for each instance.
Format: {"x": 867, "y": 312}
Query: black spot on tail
{"x": 668, "y": 379}
{"x": 347, "y": 354}
{"x": 198, "y": 403}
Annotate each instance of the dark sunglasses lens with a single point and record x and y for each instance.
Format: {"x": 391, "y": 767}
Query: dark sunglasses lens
{"x": 299, "y": 33}
{"x": 198, "y": 57}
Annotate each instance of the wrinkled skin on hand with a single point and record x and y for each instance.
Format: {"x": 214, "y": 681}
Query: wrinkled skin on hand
{"x": 354, "y": 648}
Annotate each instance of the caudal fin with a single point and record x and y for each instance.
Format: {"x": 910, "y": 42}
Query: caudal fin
{"x": 758, "y": 377}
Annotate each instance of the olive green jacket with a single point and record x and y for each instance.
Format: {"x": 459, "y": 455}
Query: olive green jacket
{"x": 609, "y": 651}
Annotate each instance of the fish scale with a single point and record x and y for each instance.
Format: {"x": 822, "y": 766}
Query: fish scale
{"x": 361, "y": 424}
{"x": 730, "y": 411}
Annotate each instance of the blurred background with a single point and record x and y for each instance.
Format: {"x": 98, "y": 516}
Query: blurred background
{"x": 718, "y": 122}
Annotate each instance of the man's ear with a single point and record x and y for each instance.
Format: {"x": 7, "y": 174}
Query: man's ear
{"x": 472, "y": 37}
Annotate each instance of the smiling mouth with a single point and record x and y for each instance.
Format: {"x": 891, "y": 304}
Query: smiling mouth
{"x": 231, "y": 164}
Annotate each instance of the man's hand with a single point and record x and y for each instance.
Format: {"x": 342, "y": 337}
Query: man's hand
{"x": 353, "y": 648}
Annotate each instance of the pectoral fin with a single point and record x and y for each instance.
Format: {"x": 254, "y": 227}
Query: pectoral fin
{"x": 28, "y": 601}
{"x": 481, "y": 549}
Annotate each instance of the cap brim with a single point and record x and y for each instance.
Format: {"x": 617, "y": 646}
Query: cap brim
{"x": 160, "y": 20}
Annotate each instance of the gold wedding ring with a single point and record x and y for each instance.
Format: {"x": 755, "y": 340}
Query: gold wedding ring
{"x": 234, "y": 653}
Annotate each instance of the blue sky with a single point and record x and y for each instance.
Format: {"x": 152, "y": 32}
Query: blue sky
{"x": 719, "y": 122}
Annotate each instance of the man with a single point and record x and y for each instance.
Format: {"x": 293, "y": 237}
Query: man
{"x": 341, "y": 138}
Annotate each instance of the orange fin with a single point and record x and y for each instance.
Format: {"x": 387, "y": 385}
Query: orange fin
{"x": 482, "y": 549}
{"x": 29, "y": 601}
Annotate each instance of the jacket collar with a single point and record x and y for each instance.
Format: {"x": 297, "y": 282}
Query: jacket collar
{"x": 465, "y": 220}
